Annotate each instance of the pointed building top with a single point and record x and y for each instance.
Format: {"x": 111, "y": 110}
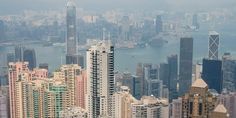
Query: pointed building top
{"x": 199, "y": 83}
{"x": 70, "y": 3}
{"x": 220, "y": 108}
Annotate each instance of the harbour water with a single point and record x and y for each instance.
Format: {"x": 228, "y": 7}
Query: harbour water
{"x": 127, "y": 59}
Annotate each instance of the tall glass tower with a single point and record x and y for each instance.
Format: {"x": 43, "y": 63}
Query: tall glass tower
{"x": 71, "y": 38}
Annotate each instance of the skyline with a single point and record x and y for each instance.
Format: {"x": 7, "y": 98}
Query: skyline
{"x": 101, "y": 5}
{"x": 107, "y": 62}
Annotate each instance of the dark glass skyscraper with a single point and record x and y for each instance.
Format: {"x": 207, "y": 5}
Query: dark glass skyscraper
{"x": 173, "y": 76}
{"x": 19, "y": 50}
{"x": 212, "y": 74}
{"x": 185, "y": 64}
{"x": 29, "y": 56}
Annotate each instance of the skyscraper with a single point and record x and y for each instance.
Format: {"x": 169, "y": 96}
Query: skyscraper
{"x": 16, "y": 73}
{"x": 2, "y": 30}
{"x": 100, "y": 82}
{"x": 212, "y": 74}
{"x": 195, "y": 21}
{"x": 214, "y": 41}
{"x": 159, "y": 24}
{"x": 173, "y": 76}
{"x": 29, "y": 56}
{"x": 19, "y": 51}
{"x": 71, "y": 34}
{"x": 198, "y": 102}
{"x": 185, "y": 64}
{"x": 229, "y": 72}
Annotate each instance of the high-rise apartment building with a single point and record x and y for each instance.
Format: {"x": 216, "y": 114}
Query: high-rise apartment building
{"x": 185, "y": 64}
{"x": 16, "y": 73}
{"x": 198, "y": 102}
{"x": 214, "y": 41}
{"x": 176, "y": 108}
{"x": 121, "y": 103}
{"x": 150, "y": 107}
{"x": 100, "y": 79}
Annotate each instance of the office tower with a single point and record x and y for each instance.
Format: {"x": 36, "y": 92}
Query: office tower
{"x": 214, "y": 41}
{"x": 133, "y": 82}
{"x": 75, "y": 59}
{"x": 185, "y": 64}
{"x": 10, "y": 57}
{"x": 121, "y": 103}
{"x": 212, "y": 74}
{"x": 152, "y": 85}
{"x": 100, "y": 73}
{"x": 29, "y": 56}
{"x": 164, "y": 73}
{"x": 16, "y": 71}
{"x": 219, "y": 112}
{"x": 140, "y": 73}
{"x": 176, "y": 108}
{"x": 2, "y": 31}
{"x": 71, "y": 34}
{"x": 173, "y": 76}
{"x": 228, "y": 99}
{"x": 43, "y": 66}
{"x": 19, "y": 51}
{"x": 159, "y": 24}
{"x": 150, "y": 107}
{"x": 125, "y": 28}
{"x": 198, "y": 102}
{"x": 195, "y": 21}
{"x": 229, "y": 72}
{"x": 75, "y": 112}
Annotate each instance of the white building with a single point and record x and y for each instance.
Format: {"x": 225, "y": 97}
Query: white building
{"x": 100, "y": 79}
{"x": 150, "y": 107}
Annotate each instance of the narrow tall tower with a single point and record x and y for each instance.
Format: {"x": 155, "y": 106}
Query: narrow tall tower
{"x": 71, "y": 33}
{"x": 185, "y": 64}
{"x": 100, "y": 82}
{"x": 214, "y": 41}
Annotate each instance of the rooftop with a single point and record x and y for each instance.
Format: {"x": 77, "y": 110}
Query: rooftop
{"x": 199, "y": 83}
{"x": 213, "y": 33}
{"x": 220, "y": 108}
{"x": 70, "y": 3}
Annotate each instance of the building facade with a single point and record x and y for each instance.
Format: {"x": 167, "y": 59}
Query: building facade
{"x": 185, "y": 64}
{"x": 100, "y": 79}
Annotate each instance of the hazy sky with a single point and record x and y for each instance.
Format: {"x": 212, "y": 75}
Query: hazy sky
{"x": 16, "y": 6}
